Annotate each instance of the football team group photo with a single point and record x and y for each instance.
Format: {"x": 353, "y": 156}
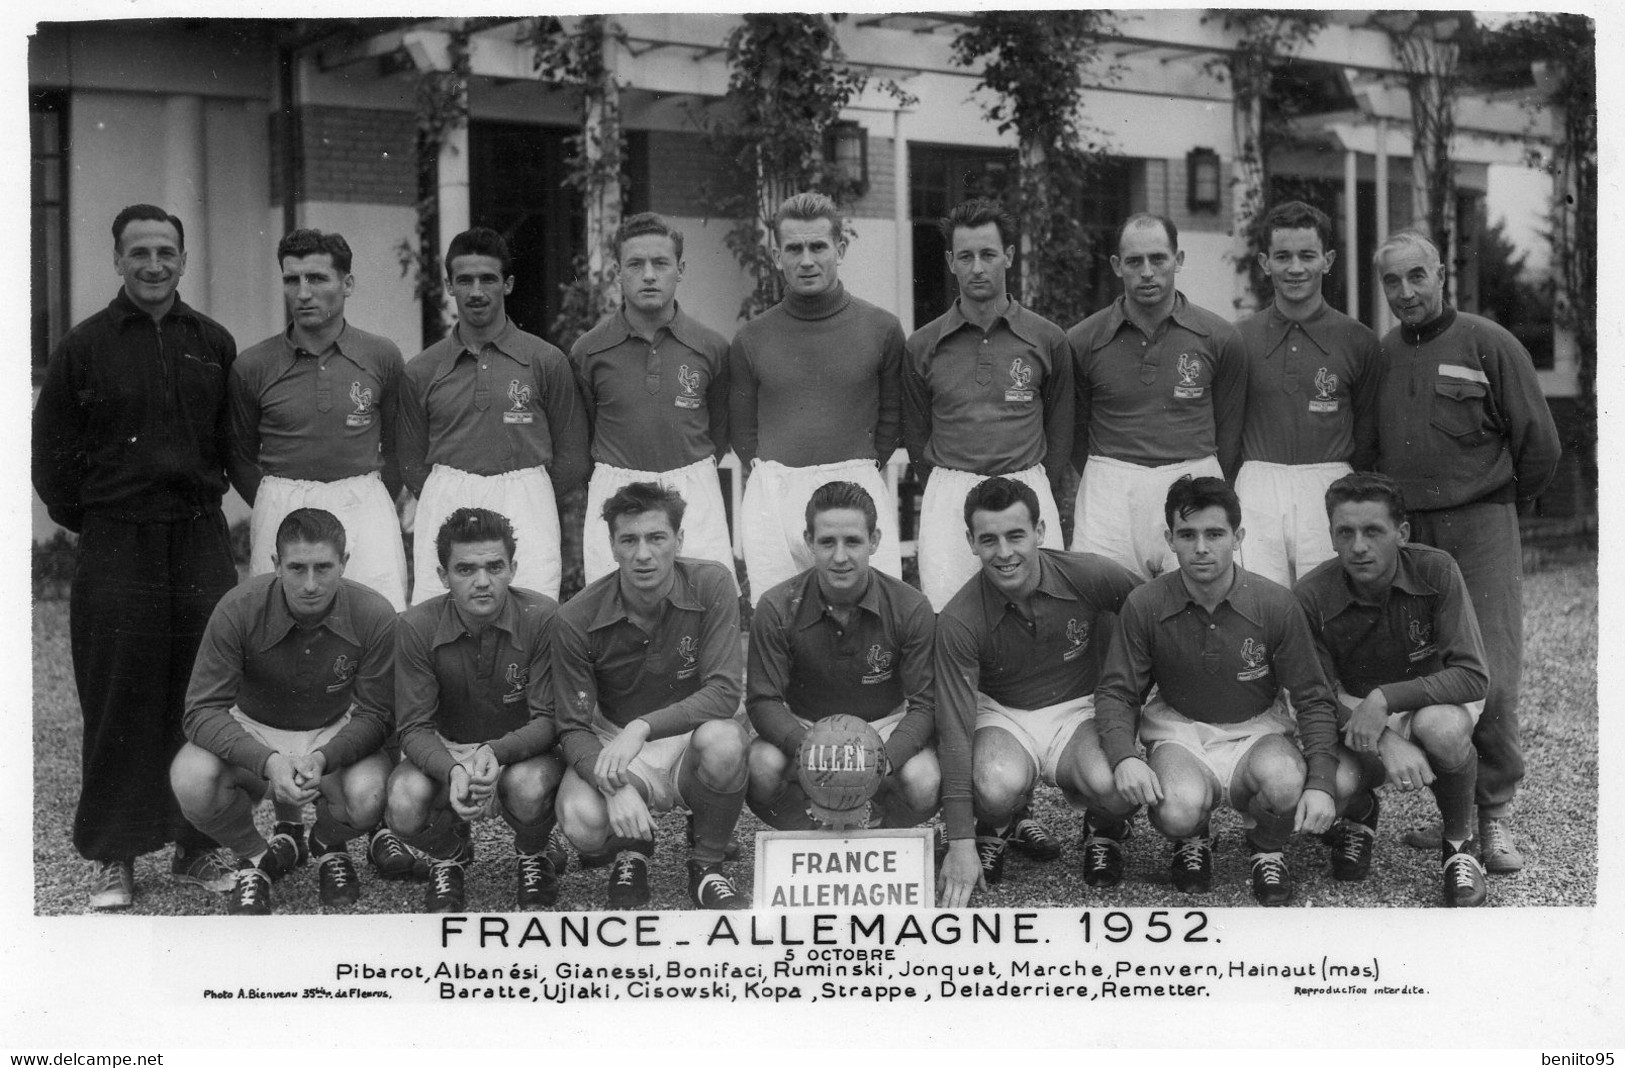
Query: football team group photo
{"x": 1292, "y": 590}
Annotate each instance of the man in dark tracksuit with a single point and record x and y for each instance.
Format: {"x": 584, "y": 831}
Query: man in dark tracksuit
{"x": 130, "y": 453}
{"x": 1463, "y": 429}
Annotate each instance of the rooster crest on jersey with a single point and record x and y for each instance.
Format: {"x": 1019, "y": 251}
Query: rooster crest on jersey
{"x": 1421, "y": 635}
{"x": 361, "y": 397}
{"x": 839, "y": 766}
{"x": 344, "y": 670}
{"x": 1325, "y": 399}
{"x": 520, "y": 395}
{"x": 879, "y": 666}
{"x": 1252, "y": 654}
{"x": 518, "y": 678}
{"x": 1077, "y": 638}
{"x": 1021, "y": 377}
{"x": 689, "y": 650}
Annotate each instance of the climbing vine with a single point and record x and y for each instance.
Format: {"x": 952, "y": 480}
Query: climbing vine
{"x": 442, "y": 107}
{"x": 578, "y": 61}
{"x": 1034, "y": 65}
{"x": 1260, "y": 119}
{"x": 787, "y": 84}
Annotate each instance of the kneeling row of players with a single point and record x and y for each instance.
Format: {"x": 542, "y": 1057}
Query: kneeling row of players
{"x": 589, "y": 718}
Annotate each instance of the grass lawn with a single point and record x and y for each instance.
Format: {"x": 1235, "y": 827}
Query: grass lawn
{"x": 1556, "y": 810}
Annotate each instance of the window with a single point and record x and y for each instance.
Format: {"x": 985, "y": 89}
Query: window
{"x": 48, "y": 228}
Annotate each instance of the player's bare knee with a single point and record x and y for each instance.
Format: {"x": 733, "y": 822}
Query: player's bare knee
{"x": 196, "y": 775}
{"x": 1352, "y": 777}
{"x": 998, "y": 793}
{"x": 583, "y": 817}
{"x": 527, "y": 788}
{"x": 920, "y": 780}
{"x": 1445, "y": 732}
{"x": 407, "y": 799}
{"x": 1179, "y": 814}
{"x": 722, "y": 747}
{"x": 769, "y": 767}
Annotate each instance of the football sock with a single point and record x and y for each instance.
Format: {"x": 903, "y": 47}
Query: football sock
{"x": 439, "y": 840}
{"x": 715, "y": 810}
{"x": 786, "y": 810}
{"x": 1108, "y": 825}
{"x": 896, "y": 812}
{"x": 615, "y": 844}
{"x": 531, "y": 838}
{"x": 232, "y": 826}
{"x": 1453, "y": 789}
{"x": 330, "y": 833}
{"x": 1359, "y": 807}
{"x": 1269, "y": 832}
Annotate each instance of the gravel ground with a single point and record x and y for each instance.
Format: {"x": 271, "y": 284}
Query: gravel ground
{"x": 1556, "y": 810}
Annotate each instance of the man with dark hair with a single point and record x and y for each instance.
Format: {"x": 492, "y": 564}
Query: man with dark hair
{"x": 292, "y": 694}
{"x": 655, "y": 386}
{"x": 1311, "y": 399}
{"x": 816, "y": 395}
{"x": 313, "y": 418}
{"x": 1161, "y": 386}
{"x": 1225, "y": 648}
{"x": 648, "y": 666}
{"x": 490, "y": 418}
{"x": 313, "y": 414}
{"x": 474, "y": 688}
{"x": 842, "y": 638}
{"x": 1463, "y": 427}
{"x": 130, "y": 450}
{"x": 987, "y": 390}
{"x": 1017, "y": 659}
{"x": 1398, "y": 638}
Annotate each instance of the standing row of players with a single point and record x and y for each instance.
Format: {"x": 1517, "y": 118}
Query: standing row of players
{"x": 817, "y": 389}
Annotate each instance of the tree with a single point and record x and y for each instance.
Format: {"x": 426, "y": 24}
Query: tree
{"x": 1035, "y": 63}
{"x": 583, "y": 61}
{"x": 787, "y": 84}
{"x": 1560, "y": 49}
{"x": 1261, "y": 124}
{"x": 1507, "y": 295}
{"x": 1428, "y": 48}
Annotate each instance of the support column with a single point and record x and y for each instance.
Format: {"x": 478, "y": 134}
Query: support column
{"x": 1380, "y": 314}
{"x": 1351, "y": 231}
{"x": 185, "y": 187}
{"x": 905, "y": 224}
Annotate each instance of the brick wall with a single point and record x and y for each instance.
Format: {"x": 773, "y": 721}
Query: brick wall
{"x": 355, "y": 155}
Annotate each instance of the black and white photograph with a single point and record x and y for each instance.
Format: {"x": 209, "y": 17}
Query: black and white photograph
{"x": 746, "y": 515}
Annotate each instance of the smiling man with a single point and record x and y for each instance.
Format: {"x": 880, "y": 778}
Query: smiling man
{"x": 1017, "y": 659}
{"x": 648, "y": 667}
{"x": 292, "y": 695}
{"x": 474, "y": 683}
{"x": 816, "y": 394}
{"x": 1311, "y": 399}
{"x": 1225, "y": 649}
{"x": 987, "y": 390}
{"x": 1463, "y": 428}
{"x": 655, "y": 386}
{"x": 1397, "y": 636}
{"x": 842, "y": 638}
{"x": 130, "y": 452}
{"x": 313, "y": 413}
{"x": 1161, "y": 386}
{"x": 491, "y": 418}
